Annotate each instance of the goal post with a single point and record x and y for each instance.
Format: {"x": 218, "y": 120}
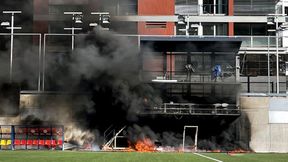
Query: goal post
{"x": 196, "y": 135}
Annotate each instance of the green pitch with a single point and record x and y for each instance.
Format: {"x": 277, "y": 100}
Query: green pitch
{"x": 55, "y": 156}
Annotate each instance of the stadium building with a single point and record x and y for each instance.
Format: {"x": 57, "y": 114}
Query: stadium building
{"x": 215, "y": 63}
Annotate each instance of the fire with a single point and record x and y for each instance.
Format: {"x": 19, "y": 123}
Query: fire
{"x": 145, "y": 145}
{"x": 216, "y": 151}
{"x": 238, "y": 151}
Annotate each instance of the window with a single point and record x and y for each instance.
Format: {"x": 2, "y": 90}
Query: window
{"x": 251, "y": 29}
{"x": 208, "y": 29}
{"x": 215, "y": 7}
{"x": 215, "y": 29}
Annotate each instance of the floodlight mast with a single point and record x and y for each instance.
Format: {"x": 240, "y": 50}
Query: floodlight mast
{"x": 102, "y": 20}
{"x": 12, "y": 38}
{"x": 77, "y": 18}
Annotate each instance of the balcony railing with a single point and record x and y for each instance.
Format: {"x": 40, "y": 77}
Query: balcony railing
{"x": 254, "y": 9}
{"x": 223, "y": 9}
{"x": 206, "y": 9}
{"x": 187, "y": 9}
{"x": 194, "y": 109}
{"x": 259, "y": 41}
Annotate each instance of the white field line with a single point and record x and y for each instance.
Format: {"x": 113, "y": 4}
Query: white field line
{"x": 208, "y": 157}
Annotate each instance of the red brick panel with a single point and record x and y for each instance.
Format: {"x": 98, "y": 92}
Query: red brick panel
{"x": 156, "y": 7}
{"x": 231, "y": 7}
{"x": 231, "y": 13}
{"x": 231, "y": 28}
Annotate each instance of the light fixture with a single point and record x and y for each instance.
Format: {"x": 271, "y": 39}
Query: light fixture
{"x": 78, "y": 19}
{"x": 6, "y": 23}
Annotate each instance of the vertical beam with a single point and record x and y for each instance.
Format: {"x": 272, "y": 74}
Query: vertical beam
{"x": 11, "y": 48}
{"x": 230, "y": 13}
{"x": 277, "y": 56}
{"x": 268, "y": 62}
{"x": 230, "y": 7}
{"x": 43, "y": 62}
{"x": 231, "y": 29}
{"x": 62, "y": 127}
{"x": 183, "y": 145}
{"x": 200, "y": 4}
{"x": 196, "y": 138}
{"x": 72, "y": 42}
{"x": 140, "y": 60}
{"x": 12, "y": 137}
{"x": 164, "y": 62}
{"x": 248, "y": 84}
{"x": 213, "y": 64}
{"x": 39, "y": 64}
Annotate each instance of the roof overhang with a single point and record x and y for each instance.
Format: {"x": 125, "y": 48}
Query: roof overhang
{"x": 191, "y": 44}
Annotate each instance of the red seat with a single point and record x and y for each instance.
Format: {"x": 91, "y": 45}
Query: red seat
{"x": 23, "y": 142}
{"x": 17, "y": 142}
{"x": 48, "y": 142}
{"x": 53, "y": 142}
{"x": 41, "y": 142}
{"x": 59, "y": 142}
{"x": 35, "y": 142}
{"x": 29, "y": 142}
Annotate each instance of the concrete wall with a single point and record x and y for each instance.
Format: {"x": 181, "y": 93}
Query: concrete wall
{"x": 265, "y": 136}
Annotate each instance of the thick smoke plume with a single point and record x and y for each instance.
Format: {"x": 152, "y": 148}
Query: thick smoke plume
{"x": 96, "y": 85}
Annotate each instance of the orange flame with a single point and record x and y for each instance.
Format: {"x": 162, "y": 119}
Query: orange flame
{"x": 238, "y": 151}
{"x": 216, "y": 151}
{"x": 145, "y": 145}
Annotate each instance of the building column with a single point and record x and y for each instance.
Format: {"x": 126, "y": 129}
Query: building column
{"x": 231, "y": 13}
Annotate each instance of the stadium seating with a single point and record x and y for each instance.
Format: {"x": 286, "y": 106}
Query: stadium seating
{"x": 59, "y": 142}
{"x": 29, "y": 142}
{"x": 8, "y": 142}
{"x": 41, "y": 142}
{"x": 3, "y": 142}
{"x": 17, "y": 142}
{"x": 23, "y": 142}
{"x": 22, "y": 137}
{"x": 53, "y": 142}
{"x": 35, "y": 142}
{"x": 47, "y": 142}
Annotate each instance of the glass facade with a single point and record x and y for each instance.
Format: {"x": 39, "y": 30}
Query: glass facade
{"x": 257, "y": 64}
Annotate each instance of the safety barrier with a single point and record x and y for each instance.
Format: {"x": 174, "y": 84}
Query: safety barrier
{"x": 16, "y": 137}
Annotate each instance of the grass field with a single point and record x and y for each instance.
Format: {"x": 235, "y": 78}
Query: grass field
{"x": 53, "y": 156}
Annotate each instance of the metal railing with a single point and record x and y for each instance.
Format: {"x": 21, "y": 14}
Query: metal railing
{"x": 182, "y": 76}
{"x": 259, "y": 41}
{"x": 194, "y": 109}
